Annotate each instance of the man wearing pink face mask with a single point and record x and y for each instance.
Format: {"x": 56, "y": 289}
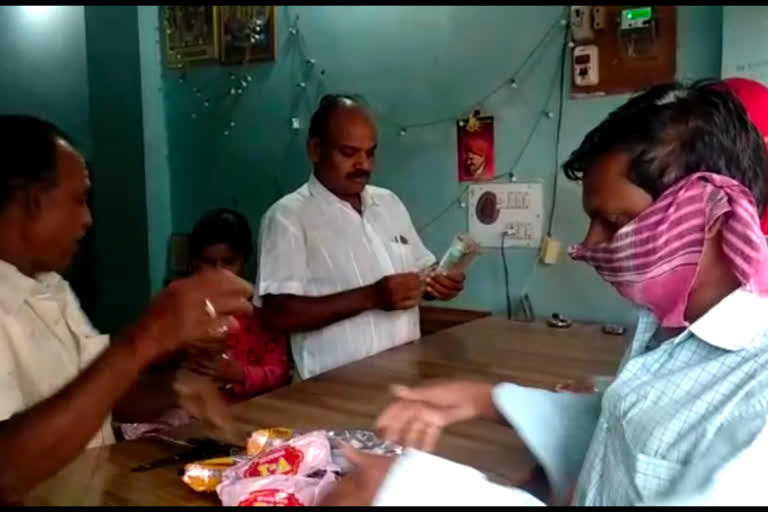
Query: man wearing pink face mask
{"x": 674, "y": 185}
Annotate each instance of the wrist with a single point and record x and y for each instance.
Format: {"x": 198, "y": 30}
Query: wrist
{"x": 482, "y": 401}
{"x": 139, "y": 346}
{"x": 368, "y": 297}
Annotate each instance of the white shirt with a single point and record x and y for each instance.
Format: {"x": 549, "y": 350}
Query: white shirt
{"x": 46, "y": 340}
{"x": 685, "y": 422}
{"x": 314, "y": 244}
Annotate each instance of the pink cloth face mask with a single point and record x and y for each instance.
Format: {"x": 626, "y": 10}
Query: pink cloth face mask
{"x": 653, "y": 260}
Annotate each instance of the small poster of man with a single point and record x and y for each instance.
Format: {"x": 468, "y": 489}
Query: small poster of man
{"x": 476, "y": 149}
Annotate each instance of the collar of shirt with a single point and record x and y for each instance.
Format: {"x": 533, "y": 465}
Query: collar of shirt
{"x": 15, "y": 287}
{"x": 319, "y": 190}
{"x": 737, "y": 322}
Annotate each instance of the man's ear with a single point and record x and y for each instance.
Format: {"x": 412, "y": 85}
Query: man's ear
{"x": 32, "y": 199}
{"x": 314, "y": 149}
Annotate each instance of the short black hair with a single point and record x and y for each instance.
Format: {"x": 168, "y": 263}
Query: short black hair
{"x": 221, "y": 226}
{"x": 28, "y": 152}
{"x": 673, "y": 130}
{"x": 330, "y": 103}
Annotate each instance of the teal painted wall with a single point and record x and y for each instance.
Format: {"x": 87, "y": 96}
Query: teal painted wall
{"x": 121, "y": 262}
{"x": 412, "y": 63}
{"x": 157, "y": 174}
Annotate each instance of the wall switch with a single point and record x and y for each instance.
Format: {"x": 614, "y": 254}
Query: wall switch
{"x": 550, "y": 250}
{"x": 598, "y": 17}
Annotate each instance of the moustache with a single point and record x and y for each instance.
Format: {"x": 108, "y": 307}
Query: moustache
{"x": 359, "y": 174}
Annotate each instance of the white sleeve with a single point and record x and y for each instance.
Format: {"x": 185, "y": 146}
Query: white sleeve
{"x": 729, "y": 470}
{"x": 556, "y": 427}
{"x": 11, "y": 400}
{"x": 420, "y": 479}
{"x": 282, "y": 266}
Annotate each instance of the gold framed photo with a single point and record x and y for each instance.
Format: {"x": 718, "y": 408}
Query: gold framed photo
{"x": 246, "y": 33}
{"x": 190, "y": 33}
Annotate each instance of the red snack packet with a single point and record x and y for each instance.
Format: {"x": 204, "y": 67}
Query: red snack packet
{"x": 300, "y": 456}
{"x": 277, "y": 490}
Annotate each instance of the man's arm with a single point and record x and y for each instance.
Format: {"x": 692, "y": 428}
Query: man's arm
{"x": 41, "y": 440}
{"x": 297, "y": 313}
{"x": 147, "y": 399}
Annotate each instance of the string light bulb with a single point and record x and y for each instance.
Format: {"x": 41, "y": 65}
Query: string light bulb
{"x": 513, "y": 83}
{"x": 293, "y": 31}
{"x": 301, "y": 85}
{"x": 549, "y": 114}
{"x": 226, "y": 132}
{"x": 311, "y": 62}
{"x": 196, "y": 90}
{"x": 232, "y": 124}
{"x": 194, "y": 115}
{"x": 239, "y": 91}
{"x": 207, "y": 103}
{"x": 232, "y": 91}
{"x": 182, "y": 77}
{"x": 403, "y": 131}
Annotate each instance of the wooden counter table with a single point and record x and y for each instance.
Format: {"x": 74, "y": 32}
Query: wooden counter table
{"x": 491, "y": 349}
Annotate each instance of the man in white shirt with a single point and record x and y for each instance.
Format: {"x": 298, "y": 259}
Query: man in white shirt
{"x": 341, "y": 266}
{"x": 60, "y": 379}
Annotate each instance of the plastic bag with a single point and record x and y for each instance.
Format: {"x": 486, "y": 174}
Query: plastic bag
{"x": 459, "y": 255}
{"x": 267, "y": 438}
{"x": 277, "y": 490}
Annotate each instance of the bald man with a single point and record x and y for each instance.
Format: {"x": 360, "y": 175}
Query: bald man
{"x": 341, "y": 266}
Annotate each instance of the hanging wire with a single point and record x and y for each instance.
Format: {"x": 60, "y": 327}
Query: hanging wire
{"x": 561, "y": 108}
{"x": 513, "y": 167}
{"x": 510, "y": 81}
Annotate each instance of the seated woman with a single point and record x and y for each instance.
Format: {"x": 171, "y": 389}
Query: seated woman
{"x": 257, "y": 360}
{"x": 674, "y": 185}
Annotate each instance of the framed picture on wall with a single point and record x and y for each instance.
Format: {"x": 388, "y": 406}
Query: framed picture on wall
{"x": 476, "y": 160}
{"x": 190, "y": 33}
{"x": 246, "y": 33}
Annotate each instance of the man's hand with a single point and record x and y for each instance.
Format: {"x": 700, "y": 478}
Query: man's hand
{"x": 398, "y": 291}
{"x": 214, "y": 365}
{"x": 420, "y": 414}
{"x": 178, "y": 315}
{"x": 200, "y": 396}
{"x": 359, "y": 487}
{"x": 445, "y": 286}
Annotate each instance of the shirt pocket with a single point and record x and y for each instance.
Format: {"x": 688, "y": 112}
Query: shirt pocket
{"x": 403, "y": 259}
{"x": 654, "y": 476}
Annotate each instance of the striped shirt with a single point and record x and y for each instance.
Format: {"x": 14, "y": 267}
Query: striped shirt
{"x": 314, "y": 244}
{"x": 685, "y": 422}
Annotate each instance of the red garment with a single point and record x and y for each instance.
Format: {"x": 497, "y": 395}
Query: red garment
{"x": 754, "y": 96}
{"x": 262, "y": 353}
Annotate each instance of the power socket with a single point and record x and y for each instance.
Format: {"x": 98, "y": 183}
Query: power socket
{"x": 550, "y": 250}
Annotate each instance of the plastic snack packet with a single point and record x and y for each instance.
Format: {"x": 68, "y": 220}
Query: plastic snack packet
{"x": 205, "y": 475}
{"x": 277, "y": 490}
{"x": 267, "y": 438}
{"x": 300, "y": 456}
